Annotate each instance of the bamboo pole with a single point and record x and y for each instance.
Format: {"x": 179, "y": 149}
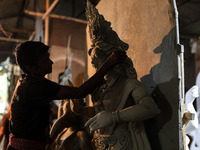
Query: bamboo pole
{"x": 46, "y": 32}
{"x": 49, "y": 9}
{"x": 6, "y": 52}
{"x": 18, "y": 30}
{"x": 55, "y": 16}
{"x": 32, "y": 36}
{"x": 180, "y": 59}
{"x": 11, "y": 39}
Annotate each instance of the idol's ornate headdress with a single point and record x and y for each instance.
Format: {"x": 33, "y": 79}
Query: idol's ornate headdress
{"x": 101, "y": 33}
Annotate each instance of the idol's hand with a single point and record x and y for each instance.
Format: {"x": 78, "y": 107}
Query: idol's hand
{"x": 101, "y": 120}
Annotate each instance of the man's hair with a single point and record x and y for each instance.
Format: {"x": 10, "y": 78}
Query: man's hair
{"x": 27, "y": 53}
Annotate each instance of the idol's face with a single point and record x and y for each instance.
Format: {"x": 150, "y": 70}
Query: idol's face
{"x": 98, "y": 57}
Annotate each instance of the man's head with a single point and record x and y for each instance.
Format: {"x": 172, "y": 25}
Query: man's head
{"x": 29, "y": 54}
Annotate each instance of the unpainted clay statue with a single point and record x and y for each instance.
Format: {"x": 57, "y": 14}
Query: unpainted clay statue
{"x": 68, "y": 131}
{"x": 122, "y": 102}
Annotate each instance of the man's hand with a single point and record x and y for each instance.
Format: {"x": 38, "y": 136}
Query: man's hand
{"x": 116, "y": 57}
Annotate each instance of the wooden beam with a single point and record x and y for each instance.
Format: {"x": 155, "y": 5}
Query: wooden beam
{"x": 12, "y": 39}
{"x": 32, "y": 36}
{"x": 4, "y": 52}
{"x": 8, "y": 17}
{"x": 19, "y": 30}
{"x": 49, "y": 9}
{"x": 46, "y": 29}
{"x": 55, "y": 16}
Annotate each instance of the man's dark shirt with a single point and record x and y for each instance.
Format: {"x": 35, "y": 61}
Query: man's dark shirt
{"x": 30, "y": 108}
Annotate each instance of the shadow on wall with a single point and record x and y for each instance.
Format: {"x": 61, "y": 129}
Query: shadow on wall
{"x": 162, "y": 84}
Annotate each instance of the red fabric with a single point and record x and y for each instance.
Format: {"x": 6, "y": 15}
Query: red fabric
{"x": 24, "y": 144}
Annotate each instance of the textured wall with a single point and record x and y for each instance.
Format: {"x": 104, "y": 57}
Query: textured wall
{"x": 59, "y": 37}
{"x": 148, "y": 27}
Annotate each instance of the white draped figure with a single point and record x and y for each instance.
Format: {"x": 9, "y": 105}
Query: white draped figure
{"x": 193, "y": 127}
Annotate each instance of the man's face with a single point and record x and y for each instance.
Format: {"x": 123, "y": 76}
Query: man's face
{"x": 44, "y": 64}
{"x": 98, "y": 58}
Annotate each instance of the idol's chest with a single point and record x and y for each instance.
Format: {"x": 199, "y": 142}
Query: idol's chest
{"x": 110, "y": 96}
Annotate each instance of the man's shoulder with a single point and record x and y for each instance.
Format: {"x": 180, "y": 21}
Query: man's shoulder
{"x": 36, "y": 81}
